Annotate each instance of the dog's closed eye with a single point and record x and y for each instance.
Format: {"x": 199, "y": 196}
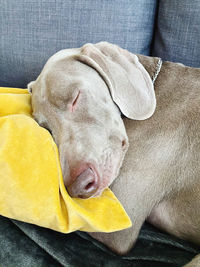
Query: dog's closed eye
{"x": 75, "y": 101}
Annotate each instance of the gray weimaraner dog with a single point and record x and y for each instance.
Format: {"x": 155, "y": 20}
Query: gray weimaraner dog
{"x": 80, "y": 96}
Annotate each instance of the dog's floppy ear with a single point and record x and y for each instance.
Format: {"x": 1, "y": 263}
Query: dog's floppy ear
{"x": 129, "y": 83}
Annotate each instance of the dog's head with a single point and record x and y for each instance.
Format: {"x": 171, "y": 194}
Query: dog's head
{"x": 79, "y": 97}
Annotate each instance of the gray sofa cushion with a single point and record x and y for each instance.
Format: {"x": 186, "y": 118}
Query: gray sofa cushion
{"x": 177, "y": 36}
{"x": 31, "y": 31}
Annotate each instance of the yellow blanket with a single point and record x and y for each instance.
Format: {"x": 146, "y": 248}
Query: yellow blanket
{"x": 31, "y": 184}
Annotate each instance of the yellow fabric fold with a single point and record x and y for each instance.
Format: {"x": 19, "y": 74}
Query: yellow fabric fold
{"x": 31, "y": 183}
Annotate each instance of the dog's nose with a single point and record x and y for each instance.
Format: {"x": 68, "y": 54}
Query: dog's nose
{"x": 85, "y": 184}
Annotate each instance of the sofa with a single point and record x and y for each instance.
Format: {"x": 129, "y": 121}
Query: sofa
{"x": 33, "y": 30}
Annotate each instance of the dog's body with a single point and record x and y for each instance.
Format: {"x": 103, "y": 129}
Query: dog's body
{"x": 161, "y": 169}
{"x": 160, "y": 176}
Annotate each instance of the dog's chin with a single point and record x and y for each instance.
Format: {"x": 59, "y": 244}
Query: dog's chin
{"x": 102, "y": 187}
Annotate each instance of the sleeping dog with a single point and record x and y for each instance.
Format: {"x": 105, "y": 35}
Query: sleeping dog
{"x": 130, "y": 122}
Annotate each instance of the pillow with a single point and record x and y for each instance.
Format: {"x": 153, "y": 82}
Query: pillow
{"x": 31, "y": 183}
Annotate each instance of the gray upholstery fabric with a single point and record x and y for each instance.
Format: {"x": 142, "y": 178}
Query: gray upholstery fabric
{"x": 177, "y": 36}
{"x": 31, "y": 31}
{"x": 27, "y": 245}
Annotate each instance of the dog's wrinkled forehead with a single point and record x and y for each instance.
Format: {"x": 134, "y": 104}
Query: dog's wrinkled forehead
{"x": 127, "y": 82}
{"x": 64, "y": 77}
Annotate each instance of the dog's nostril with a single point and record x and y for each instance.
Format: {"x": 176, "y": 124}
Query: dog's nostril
{"x": 88, "y": 186}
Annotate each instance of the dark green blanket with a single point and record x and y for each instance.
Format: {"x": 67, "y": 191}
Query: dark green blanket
{"x": 26, "y": 245}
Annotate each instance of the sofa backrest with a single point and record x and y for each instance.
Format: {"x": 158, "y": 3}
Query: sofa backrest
{"x": 177, "y": 33}
{"x": 32, "y": 31}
